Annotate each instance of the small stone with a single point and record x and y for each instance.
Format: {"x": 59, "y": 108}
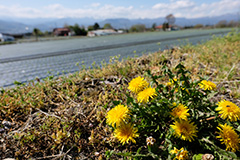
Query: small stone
{"x": 90, "y": 125}
{"x": 96, "y": 153}
{"x": 7, "y": 128}
{"x": 7, "y": 123}
{"x": 228, "y": 90}
{"x": 2, "y": 130}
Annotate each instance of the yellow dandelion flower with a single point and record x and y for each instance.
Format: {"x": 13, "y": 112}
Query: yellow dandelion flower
{"x": 181, "y": 154}
{"x": 126, "y": 132}
{"x": 180, "y": 112}
{"x": 229, "y": 137}
{"x": 229, "y": 110}
{"x": 207, "y": 85}
{"x": 185, "y": 130}
{"x": 185, "y": 90}
{"x": 117, "y": 115}
{"x": 137, "y": 84}
{"x": 171, "y": 82}
{"x": 174, "y": 103}
{"x": 174, "y": 80}
{"x": 174, "y": 151}
{"x": 145, "y": 95}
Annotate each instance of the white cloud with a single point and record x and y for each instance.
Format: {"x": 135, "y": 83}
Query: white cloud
{"x": 187, "y": 8}
{"x": 18, "y": 11}
{"x": 180, "y": 8}
{"x": 175, "y": 5}
{"x": 95, "y": 4}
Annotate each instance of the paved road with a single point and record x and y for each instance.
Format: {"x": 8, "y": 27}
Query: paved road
{"x": 24, "y": 62}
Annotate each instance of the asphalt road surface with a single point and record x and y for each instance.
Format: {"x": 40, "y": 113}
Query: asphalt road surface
{"x": 26, "y": 61}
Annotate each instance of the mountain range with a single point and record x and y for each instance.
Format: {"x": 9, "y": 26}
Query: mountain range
{"x": 23, "y": 25}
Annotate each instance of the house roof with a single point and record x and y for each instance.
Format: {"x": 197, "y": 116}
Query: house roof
{"x": 161, "y": 26}
{"x": 61, "y": 29}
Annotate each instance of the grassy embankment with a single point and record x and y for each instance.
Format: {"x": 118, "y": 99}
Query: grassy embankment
{"x": 65, "y": 117}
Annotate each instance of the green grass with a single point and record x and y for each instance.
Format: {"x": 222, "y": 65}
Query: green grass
{"x": 65, "y": 116}
{"x": 6, "y": 43}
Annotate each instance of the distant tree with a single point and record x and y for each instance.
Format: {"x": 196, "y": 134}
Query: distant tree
{"x": 96, "y": 26}
{"x": 170, "y": 19}
{"x": 107, "y": 26}
{"x": 233, "y": 23}
{"x": 90, "y": 28}
{"x": 137, "y": 28}
{"x": 36, "y": 32}
{"x": 46, "y": 33}
{"x": 188, "y": 27}
{"x": 198, "y": 26}
{"x": 208, "y": 26}
{"x": 165, "y": 26}
{"x": 78, "y": 30}
{"x": 154, "y": 26}
{"x": 133, "y": 29}
{"x": 221, "y": 24}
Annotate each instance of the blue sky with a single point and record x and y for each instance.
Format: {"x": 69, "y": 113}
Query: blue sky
{"x": 116, "y": 9}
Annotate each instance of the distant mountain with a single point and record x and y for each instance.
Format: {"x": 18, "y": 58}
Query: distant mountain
{"x": 206, "y": 20}
{"x": 124, "y": 23}
{"x": 69, "y": 21}
{"x": 13, "y": 27}
{"x": 127, "y": 23}
{"x": 18, "y": 25}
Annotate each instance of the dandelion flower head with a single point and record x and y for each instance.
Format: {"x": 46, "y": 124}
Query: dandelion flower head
{"x": 174, "y": 151}
{"x": 185, "y": 130}
{"x": 207, "y": 85}
{"x": 171, "y": 82}
{"x": 125, "y": 132}
{"x": 117, "y": 114}
{"x": 180, "y": 112}
{"x": 228, "y": 110}
{"x": 145, "y": 95}
{"x": 229, "y": 137}
{"x": 181, "y": 154}
{"x": 137, "y": 84}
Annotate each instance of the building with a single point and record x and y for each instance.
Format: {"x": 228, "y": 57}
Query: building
{"x": 6, "y": 38}
{"x": 102, "y": 32}
{"x": 171, "y": 28}
{"x": 61, "y": 31}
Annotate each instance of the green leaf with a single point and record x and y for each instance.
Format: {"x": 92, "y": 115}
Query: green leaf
{"x": 139, "y": 149}
{"x": 17, "y": 83}
{"x": 238, "y": 129}
{"x": 129, "y": 100}
{"x": 197, "y": 157}
{"x": 116, "y": 103}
